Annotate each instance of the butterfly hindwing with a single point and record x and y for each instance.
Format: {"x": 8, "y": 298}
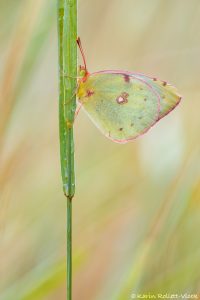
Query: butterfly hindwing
{"x": 169, "y": 97}
{"x": 121, "y": 105}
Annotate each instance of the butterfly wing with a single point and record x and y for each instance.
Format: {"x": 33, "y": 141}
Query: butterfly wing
{"x": 169, "y": 97}
{"x": 121, "y": 105}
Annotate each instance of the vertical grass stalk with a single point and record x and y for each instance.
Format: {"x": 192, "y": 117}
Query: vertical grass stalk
{"x": 67, "y": 48}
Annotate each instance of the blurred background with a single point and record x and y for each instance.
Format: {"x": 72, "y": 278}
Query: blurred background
{"x": 136, "y": 214}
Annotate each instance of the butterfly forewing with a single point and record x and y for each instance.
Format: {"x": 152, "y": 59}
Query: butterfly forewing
{"x": 122, "y": 106}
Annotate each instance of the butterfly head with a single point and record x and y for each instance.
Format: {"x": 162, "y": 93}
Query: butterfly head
{"x": 82, "y": 73}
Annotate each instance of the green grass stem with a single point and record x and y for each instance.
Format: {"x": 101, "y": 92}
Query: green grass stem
{"x": 67, "y": 34}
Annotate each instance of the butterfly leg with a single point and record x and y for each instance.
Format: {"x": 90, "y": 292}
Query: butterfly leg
{"x": 69, "y": 124}
{"x": 72, "y": 77}
{"x": 78, "y": 108}
{"x": 73, "y": 95}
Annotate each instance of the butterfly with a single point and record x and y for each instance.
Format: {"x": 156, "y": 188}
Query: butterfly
{"x": 122, "y": 104}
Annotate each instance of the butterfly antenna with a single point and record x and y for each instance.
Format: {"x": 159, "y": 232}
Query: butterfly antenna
{"x": 78, "y": 40}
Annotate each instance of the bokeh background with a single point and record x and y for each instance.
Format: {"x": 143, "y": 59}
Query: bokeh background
{"x": 136, "y": 214}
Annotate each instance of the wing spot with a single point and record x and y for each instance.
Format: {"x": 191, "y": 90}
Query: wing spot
{"x": 120, "y": 129}
{"x": 145, "y": 99}
{"x": 89, "y": 93}
{"x": 122, "y": 99}
{"x": 154, "y": 79}
{"x": 164, "y": 83}
{"x": 132, "y": 124}
{"x": 126, "y": 78}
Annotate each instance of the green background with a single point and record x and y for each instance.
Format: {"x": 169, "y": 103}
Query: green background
{"x": 136, "y": 211}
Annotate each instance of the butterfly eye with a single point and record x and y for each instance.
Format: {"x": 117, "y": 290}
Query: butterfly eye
{"x": 81, "y": 68}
